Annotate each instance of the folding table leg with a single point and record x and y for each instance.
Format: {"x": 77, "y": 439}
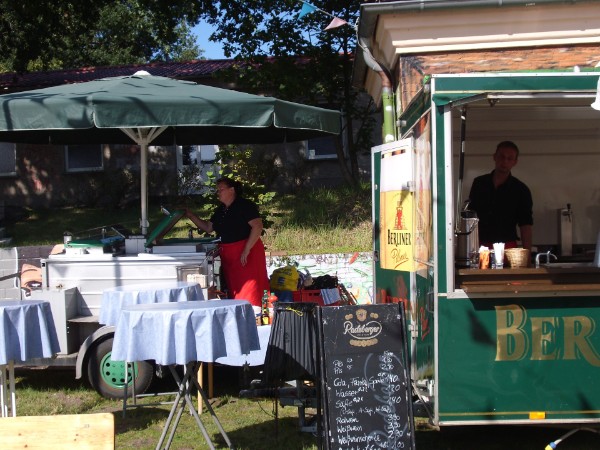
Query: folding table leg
{"x": 125, "y": 391}
{"x": 8, "y": 398}
{"x": 3, "y": 399}
{"x": 183, "y": 396}
{"x": 125, "y": 385}
{"x": 200, "y": 377}
{"x": 13, "y": 396}
{"x": 180, "y": 392}
{"x": 188, "y": 375}
{"x": 212, "y": 413}
{"x": 176, "y": 424}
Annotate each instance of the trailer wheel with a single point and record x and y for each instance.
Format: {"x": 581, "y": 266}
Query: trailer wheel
{"x": 107, "y": 377}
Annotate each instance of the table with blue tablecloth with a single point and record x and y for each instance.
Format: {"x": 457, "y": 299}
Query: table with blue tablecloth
{"x": 114, "y": 299}
{"x": 255, "y": 357}
{"x": 27, "y": 331}
{"x": 185, "y": 333}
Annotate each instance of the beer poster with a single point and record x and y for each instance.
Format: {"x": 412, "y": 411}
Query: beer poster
{"x": 397, "y": 208}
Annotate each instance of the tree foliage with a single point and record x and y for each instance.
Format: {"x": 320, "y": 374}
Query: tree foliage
{"x": 232, "y": 162}
{"x": 298, "y": 60}
{"x": 40, "y": 35}
{"x": 290, "y": 57}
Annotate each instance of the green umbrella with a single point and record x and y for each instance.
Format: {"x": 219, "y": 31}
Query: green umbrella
{"x": 146, "y": 109}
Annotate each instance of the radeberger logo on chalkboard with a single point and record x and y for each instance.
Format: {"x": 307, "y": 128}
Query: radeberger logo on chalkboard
{"x": 363, "y": 327}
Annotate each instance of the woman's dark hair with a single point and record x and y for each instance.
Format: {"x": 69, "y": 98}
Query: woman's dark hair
{"x": 236, "y": 185}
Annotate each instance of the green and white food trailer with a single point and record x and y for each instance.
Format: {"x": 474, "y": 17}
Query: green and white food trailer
{"x": 495, "y": 346}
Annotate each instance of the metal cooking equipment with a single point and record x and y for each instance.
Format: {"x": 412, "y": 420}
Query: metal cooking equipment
{"x": 467, "y": 240}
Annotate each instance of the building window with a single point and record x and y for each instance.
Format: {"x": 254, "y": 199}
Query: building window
{"x": 8, "y": 159}
{"x": 196, "y": 154}
{"x": 194, "y": 162}
{"x": 321, "y": 148}
{"x": 83, "y": 158}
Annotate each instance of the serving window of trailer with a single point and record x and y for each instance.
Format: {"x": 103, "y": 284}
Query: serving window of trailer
{"x": 559, "y": 141}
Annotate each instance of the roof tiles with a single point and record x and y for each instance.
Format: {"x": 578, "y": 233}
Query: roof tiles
{"x": 195, "y": 70}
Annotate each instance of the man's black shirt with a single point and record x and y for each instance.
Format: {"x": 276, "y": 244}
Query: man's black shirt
{"x": 500, "y": 210}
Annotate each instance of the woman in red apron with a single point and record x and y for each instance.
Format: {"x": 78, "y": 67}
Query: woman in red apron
{"x": 237, "y": 222}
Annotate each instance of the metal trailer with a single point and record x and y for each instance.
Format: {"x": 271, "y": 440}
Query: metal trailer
{"x": 509, "y": 346}
{"x": 73, "y": 282}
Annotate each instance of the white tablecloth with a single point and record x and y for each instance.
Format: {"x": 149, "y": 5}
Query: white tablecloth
{"x": 27, "y": 331}
{"x": 178, "y": 333}
{"x": 114, "y": 299}
{"x": 256, "y": 357}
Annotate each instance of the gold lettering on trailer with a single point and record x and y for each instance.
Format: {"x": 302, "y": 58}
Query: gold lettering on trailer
{"x": 511, "y": 336}
{"x": 543, "y": 338}
{"x": 578, "y": 330}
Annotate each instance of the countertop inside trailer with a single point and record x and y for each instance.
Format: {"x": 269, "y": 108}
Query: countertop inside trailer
{"x": 549, "y": 277}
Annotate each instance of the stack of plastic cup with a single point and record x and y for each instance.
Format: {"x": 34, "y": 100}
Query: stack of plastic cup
{"x": 499, "y": 255}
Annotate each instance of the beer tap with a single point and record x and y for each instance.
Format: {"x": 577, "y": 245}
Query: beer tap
{"x": 568, "y": 212}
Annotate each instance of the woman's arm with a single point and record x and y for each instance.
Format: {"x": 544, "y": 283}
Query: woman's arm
{"x": 204, "y": 225}
{"x": 256, "y": 227}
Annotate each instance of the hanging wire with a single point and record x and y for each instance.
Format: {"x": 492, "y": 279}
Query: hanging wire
{"x": 552, "y": 445}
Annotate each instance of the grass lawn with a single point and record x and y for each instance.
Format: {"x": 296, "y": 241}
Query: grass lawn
{"x": 311, "y": 222}
{"x": 250, "y": 424}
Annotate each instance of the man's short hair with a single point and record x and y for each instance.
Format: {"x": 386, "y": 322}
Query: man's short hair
{"x": 508, "y": 144}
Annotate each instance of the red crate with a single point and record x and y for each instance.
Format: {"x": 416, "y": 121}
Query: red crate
{"x": 306, "y": 295}
{"x": 312, "y": 296}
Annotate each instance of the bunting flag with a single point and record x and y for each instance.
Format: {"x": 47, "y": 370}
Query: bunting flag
{"x": 307, "y": 8}
{"x": 336, "y": 22}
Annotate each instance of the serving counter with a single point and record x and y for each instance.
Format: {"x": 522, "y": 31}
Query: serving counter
{"x": 557, "y": 277}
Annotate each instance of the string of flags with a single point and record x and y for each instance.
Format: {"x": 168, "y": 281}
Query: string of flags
{"x": 308, "y": 8}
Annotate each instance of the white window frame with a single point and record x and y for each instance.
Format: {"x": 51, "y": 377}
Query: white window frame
{"x": 8, "y": 155}
{"x": 311, "y": 153}
{"x": 201, "y": 154}
{"x": 88, "y": 168}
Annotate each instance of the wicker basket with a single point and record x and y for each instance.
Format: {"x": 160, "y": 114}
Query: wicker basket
{"x": 517, "y": 257}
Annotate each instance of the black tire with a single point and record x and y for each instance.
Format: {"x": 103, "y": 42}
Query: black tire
{"x": 107, "y": 376}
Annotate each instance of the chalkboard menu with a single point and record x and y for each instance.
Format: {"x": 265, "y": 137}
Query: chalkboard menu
{"x": 365, "y": 386}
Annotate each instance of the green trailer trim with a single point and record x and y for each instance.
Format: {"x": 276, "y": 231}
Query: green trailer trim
{"x": 84, "y": 243}
{"x": 519, "y": 414}
{"x": 510, "y": 358}
{"x": 451, "y": 88}
{"x": 415, "y": 110}
{"x": 440, "y": 214}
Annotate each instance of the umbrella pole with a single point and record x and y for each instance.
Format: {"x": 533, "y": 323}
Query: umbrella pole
{"x": 144, "y": 186}
{"x": 143, "y": 137}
